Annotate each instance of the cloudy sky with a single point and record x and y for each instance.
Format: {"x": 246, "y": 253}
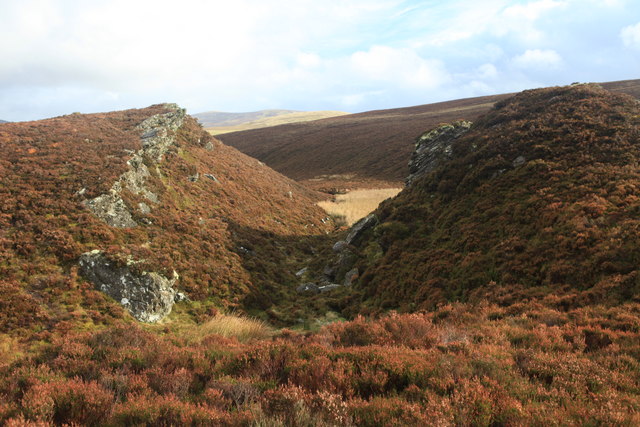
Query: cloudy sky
{"x": 63, "y": 56}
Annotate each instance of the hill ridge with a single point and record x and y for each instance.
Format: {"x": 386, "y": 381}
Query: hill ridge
{"x": 373, "y": 145}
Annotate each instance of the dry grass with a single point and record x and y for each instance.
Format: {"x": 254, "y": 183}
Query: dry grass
{"x": 231, "y": 326}
{"x": 281, "y": 119}
{"x": 358, "y": 203}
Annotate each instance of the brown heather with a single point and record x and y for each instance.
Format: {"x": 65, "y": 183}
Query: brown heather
{"x": 543, "y": 256}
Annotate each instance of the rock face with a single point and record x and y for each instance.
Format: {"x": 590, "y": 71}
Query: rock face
{"x": 149, "y": 297}
{"x": 434, "y": 147}
{"x": 157, "y": 135}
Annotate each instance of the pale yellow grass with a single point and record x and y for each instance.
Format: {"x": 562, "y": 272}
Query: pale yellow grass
{"x": 302, "y": 116}
{"x": 357, "y": 204}
{"x": 230, "y": 325}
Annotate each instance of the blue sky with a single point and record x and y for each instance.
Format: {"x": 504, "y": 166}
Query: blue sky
{"x": 63, "y": 56}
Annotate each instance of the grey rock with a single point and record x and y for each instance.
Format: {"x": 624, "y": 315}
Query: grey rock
{"x": 144, "y": 208}
{"x": 360, "y": 227}
{"x": 194, "y": 178}
{"x": 181, "y": 297}
{"x": 211, "y": 177}
{"x": 329, "y": 271}
{"x": 329, "y": 287}
{"x": 518, "y": 161}
{"x": 209, "y": 146}
{"x": 339, "y": 246}
{"x": 149, "y": 296}
{"x": 434, "y": 147}
{"x": 301, "y": 272}
{"x": 111, "y": 209}
{"x": 350, "y": 276}
{"x": 308, "y": 288}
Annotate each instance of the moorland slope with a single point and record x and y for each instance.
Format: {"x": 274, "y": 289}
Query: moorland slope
{"x": 357, "y": 148}
{"x": 537, "y": 200}
{"x": 152, "y": 192}
{"x": 530, "y": 217}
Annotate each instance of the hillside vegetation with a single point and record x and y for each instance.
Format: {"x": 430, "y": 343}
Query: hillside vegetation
{"x": 220, "y": 221}
{"x": 514, "y": 260}
{"x": 356, "y": 148}
{"x": 539, "y": 200}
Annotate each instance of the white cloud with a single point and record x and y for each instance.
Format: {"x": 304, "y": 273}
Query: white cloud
{"x": 401, "y": 66}
{"x": 533, "y": 10}
{"x": 631, "y": 35}
{"x": 538, "y": 59}
{"x": 68, "y": 55}
{"x": 522, "y": 20}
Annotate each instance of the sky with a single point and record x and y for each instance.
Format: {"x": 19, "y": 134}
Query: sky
{"x": 65, "y": 56}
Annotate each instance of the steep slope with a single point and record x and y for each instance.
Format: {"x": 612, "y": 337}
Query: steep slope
{"x": 374, "y": 145}
{"x": 537, "y": 200}
{"x": 148, "y": 191}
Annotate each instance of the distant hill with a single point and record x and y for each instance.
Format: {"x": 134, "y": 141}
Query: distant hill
{"x": 3, "y": 121}
{"x": 374, "y": 145}
{"x": 537, "y": 200}
{"x": 217, "y": 122}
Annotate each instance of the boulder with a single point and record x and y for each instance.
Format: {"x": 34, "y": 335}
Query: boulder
{"x": 350, "y": 276}
{"x": 148, "y": 296}
{"x": 518, "y": 161}
{"x": 328, "y": 287}
{"x": 434, "y": 147}
{"x": 360, "y": 227}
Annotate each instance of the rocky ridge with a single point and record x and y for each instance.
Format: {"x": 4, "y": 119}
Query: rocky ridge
{"x": 157, "y": 135}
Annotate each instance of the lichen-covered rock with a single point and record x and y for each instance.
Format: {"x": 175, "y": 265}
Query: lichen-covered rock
{"x": 434, "y": 147}
{"x": 157, "y": 135}
{"x": 149, "y": 296}
{"x": 111, "y": 209}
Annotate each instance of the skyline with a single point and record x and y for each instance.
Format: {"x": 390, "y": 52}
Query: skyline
{"x": 64, "y": 56}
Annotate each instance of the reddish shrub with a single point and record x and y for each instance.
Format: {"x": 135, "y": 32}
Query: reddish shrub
{"x": 68, "y": 401}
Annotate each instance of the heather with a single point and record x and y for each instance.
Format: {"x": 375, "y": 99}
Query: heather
{"x": 499, "y": 289}
{"x": 538, "y": 201}
{"x": 457, "y": 365}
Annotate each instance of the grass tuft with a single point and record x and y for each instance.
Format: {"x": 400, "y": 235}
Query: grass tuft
{"x": 231, "y": 326}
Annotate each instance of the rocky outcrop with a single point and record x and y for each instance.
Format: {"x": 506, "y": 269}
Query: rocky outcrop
{"x": 148, "y": 296}
{"x": 157, "y": 135}
{"x": 360, "y": 227}
{"x": 434, "y": 147}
